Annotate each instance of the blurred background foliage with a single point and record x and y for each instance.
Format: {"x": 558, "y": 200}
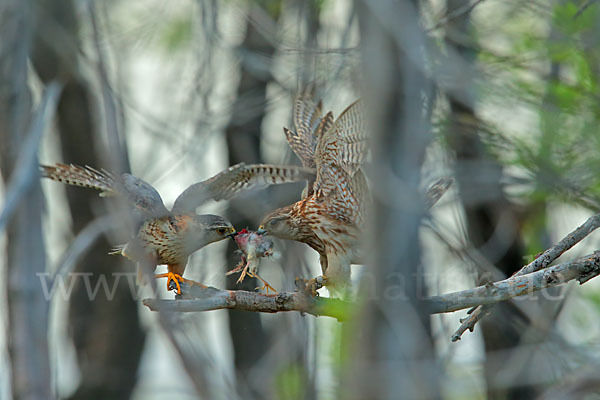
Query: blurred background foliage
{"x": 512, "y": 102}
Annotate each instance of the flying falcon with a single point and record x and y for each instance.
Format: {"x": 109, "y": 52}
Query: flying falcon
{"x": 169, "y": 237}
{"x": 331, "y": 213}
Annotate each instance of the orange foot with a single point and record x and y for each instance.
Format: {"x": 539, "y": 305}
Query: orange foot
{"x": 265, "y": 285}
{"x": 311, "y": 286}
{"x": 246, "y": 270}
{"x": 172, "y": 277}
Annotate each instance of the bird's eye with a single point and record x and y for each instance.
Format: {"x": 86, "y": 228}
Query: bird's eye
{"x": 274, "y": 222}
{"x": 221, "y": 231}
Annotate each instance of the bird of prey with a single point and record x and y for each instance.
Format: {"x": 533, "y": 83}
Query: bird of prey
{"x": 166, "y": 237}
{"x": 332, "y": 210}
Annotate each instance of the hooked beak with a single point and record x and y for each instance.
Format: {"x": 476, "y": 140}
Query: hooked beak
{"x": 261, "y": 230}
{"x": 232, "y": 234}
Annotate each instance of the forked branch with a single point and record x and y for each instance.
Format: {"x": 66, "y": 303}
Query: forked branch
{"x": 541, "y": 262}
{"x": 195, "y": 298}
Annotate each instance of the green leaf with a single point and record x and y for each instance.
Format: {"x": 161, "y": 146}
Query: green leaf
{"x": 290, "y": 382}
{"x": 177, "y": 33}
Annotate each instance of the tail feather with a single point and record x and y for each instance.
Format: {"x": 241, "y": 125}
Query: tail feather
{"x": 81, "y": 176}
{"x": 118, "y": 250}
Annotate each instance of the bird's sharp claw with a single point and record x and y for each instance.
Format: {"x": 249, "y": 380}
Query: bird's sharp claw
{"x": 172, "y": 277}
{"x": 248, "y": 266}
{"x": 266, "y": 286}
{"x": 242, "y": 275}
{"x": 310, "y": 286}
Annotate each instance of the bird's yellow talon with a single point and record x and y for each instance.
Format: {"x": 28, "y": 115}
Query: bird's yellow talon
{"x": 265, "y": 285}
{"x": 172, "y": 277}
{"x": 311, "y": 286}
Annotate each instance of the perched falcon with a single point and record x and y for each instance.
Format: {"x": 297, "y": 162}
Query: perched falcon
{"x": 169, "y": 237}
{"x": 331, "y": 213}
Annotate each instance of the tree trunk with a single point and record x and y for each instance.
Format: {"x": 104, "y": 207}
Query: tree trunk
{"x": 489, "y": 214}
{"x": 106, "y": 331}
{"x": 243, "y": 144}
{"x": 391, "y": 351}
{"x": 25, "y": 253}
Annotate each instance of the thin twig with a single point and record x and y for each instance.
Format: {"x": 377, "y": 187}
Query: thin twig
{"x": 172, "y": 327}
{"x": 541, "y": 262}
{"x": 565, "y": 244}
{"x": 467, "y": 8}
{"x": 583, "y": 8}
{"x": 192, "y": 363}
{"x": 116, "y": 150}
{"x": 82, "y": 243}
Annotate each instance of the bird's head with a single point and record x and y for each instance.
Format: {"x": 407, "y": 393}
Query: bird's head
{"x": 281, "y": 224}
{"x": 208, "y": 228}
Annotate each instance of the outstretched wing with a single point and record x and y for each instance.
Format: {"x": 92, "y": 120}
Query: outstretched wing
{"x": 344, "y": 143}
{"x": 341, "y": 150}
{"x": 140, "y": 194}
{"x": 349, "y": 203}
{"x": 235, "y": 179}
{"x": 307, "y": 120}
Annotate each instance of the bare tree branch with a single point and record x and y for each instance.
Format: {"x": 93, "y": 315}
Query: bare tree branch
{"x": 192, "y": 362}
{"x": 540, "y": 262}
{"x": 583, "y": 269}
{"x": 196, "y": 299}
{"x": 117, "y": 155}
{"x": 81, "y": 244}
{"x": 565, "y": 244}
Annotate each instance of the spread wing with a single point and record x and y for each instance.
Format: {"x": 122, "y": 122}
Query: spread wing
{"x": 307, "y": 120}
{"x": 237, "y": 178}
{"x": 138, "y": 193}
{"x": 344, "y": 143}
{"x": 339, "y": 154}
{"x": 341, "y": 149}
{"x": 350, "y": 202}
